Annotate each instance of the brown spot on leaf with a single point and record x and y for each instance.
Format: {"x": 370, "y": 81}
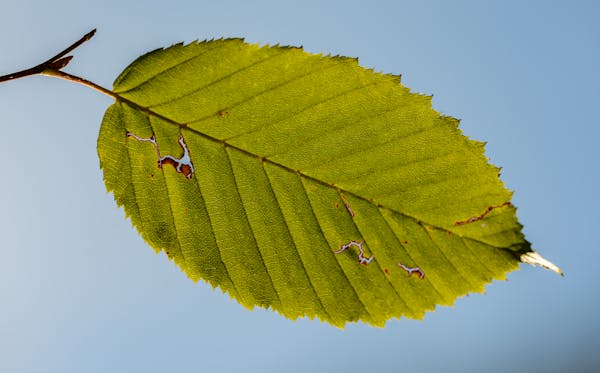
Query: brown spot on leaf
{"x": 473, "y": 219}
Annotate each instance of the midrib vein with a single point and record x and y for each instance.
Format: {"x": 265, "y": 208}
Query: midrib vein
{"x": 185, "y": 127}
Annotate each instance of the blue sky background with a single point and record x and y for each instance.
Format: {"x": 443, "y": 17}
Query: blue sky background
{"x": 81, "y": 292}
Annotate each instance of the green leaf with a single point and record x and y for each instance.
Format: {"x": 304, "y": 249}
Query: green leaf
{"x": 301, "y": 166}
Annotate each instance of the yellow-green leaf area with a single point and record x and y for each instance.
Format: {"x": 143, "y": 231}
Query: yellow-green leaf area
{"x": 304, "y": 183}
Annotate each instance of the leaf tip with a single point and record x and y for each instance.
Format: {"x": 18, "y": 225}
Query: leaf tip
{"x": 535, "y": 259}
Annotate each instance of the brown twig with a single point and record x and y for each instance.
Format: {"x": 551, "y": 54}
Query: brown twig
{"x": 53, "y": 64}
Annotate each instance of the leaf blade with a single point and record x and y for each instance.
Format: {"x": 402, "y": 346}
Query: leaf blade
{"x": 294, "y": 156}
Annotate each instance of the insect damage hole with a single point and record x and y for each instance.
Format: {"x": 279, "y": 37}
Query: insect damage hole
{"x": 347, "y": 205}
{"x": 362, "y": 259}
{"x": 182, "y": 165}
{"x": 410, "y": 270}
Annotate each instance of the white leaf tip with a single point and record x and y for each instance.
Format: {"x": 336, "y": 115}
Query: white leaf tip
{"x": 535, "y": 259}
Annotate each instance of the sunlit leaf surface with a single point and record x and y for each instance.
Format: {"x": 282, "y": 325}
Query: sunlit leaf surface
{"x": 305, "y": 183}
